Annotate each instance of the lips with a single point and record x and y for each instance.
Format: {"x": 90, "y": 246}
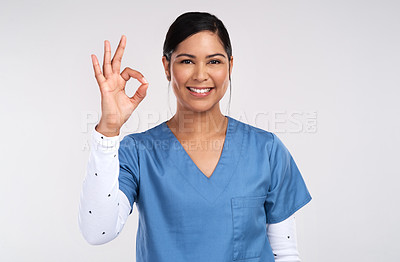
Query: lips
{"x": 207, "y": 87}
{"x": 200, "y": 91}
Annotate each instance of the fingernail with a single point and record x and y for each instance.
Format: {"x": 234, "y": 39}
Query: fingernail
{"x": 144, "y": 80}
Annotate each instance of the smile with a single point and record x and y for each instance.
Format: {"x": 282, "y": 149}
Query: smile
{"x": 200, "y": 92}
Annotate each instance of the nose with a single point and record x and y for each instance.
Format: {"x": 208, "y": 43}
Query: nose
{"x": 200, "y": 73}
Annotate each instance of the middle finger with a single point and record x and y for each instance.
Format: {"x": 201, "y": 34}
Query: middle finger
{"x": 107, "y": 70}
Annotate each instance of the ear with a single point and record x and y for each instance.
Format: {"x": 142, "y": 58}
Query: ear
{"x": 231, "y": 66}
{"x": 166, "y": 68}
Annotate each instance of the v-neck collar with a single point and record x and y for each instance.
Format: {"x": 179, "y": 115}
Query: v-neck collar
{"x": 209, "y": 187}
{"x": 221, "y": 158}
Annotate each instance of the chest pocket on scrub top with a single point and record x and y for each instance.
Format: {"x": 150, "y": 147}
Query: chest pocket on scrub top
{"x": 249, "y": 226}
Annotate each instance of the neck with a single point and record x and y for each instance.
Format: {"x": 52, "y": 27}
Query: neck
{"x": 191, "y": 124}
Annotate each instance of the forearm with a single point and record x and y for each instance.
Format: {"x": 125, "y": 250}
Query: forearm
{"x": 283, "y": 240}
{"x": 103, "y": 208}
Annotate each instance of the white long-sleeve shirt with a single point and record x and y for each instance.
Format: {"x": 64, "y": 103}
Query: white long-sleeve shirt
{"x": 104, "y": 209}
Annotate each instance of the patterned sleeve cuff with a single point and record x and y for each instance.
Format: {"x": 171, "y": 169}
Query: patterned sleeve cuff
{"x": 105, "y": 142}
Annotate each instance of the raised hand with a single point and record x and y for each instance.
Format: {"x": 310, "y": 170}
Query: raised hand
{"x": 116, "y": 106}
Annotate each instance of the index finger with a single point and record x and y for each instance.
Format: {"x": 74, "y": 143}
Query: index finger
{"x": 127, "y": 73}
{"x": 116, "y": 61}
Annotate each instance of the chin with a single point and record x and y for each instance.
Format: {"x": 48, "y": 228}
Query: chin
{"x": 202, "y": 107}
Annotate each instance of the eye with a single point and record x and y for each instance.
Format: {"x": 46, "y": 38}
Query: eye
{"x": 215, "y": 62}
{"x": 186, "y": 61}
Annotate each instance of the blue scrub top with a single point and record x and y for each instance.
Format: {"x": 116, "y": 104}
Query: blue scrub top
{"x": 186, "y": 216}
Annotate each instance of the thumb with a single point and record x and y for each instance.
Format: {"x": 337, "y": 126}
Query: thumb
{"x": 140, "y": 94}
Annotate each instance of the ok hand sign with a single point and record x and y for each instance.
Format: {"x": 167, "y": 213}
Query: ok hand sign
{"x": 116, "y": 106}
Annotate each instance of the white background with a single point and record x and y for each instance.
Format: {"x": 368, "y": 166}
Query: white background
{"x": 338, "y": 60}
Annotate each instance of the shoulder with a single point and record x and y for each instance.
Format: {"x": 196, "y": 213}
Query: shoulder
{"x": 262, "y": 140}
{"x": 255, "y": 133}
{"x": 147, "y": 138}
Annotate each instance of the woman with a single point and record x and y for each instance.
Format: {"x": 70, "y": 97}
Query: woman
{"x": 207, "y": 186}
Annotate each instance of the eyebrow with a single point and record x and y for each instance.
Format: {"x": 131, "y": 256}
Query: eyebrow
{"x": 192, "y": 56}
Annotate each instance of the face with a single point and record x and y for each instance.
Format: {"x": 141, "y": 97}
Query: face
{"x": 199, "y": 72}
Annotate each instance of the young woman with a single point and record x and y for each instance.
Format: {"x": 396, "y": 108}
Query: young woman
{"x": 207, "y": 186}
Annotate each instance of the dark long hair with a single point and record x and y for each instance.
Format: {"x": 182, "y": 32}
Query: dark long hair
{"x": 190, "y": 23}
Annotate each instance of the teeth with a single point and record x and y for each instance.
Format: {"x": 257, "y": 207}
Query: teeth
{"x": 200, "y": 91}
